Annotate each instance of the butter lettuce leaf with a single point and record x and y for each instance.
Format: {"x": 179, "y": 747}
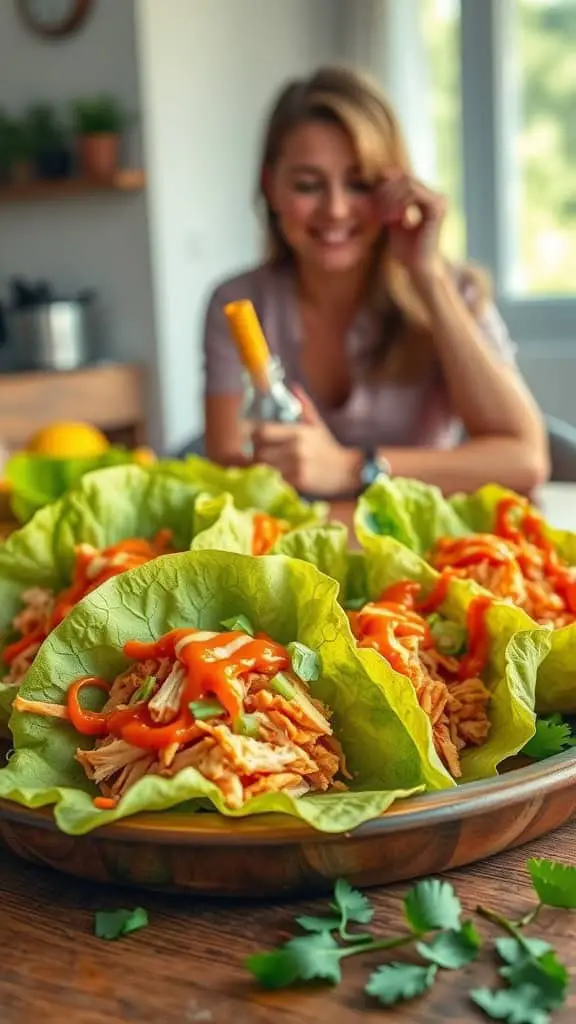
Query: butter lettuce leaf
{"x": 220, "y": 526}
{"x": 105, "y": 507}
{"x": 412, "y": 512}
{"x": 256, "y": 487}
{"x": 517, "y": 650}
{"x": 380, "y": 730}
{"x": 38, "y": 480}
{"x": 417, "y": 515}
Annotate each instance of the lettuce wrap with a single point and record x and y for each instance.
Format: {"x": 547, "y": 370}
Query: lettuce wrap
{"x": 516, "y": 649}
{"x": 362, "y": 577}
{"x": 418, "y": 515}
{"x": 383, "y": 735}
{"x": 106, "y": 507}
{"x": 221, "y": 526}
{"x": 257, "y": 487}
{"x": 37, "y": 480}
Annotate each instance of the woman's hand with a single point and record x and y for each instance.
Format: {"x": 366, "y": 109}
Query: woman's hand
{"x": 308, "y": 455}
{"x": 413, "y": 216}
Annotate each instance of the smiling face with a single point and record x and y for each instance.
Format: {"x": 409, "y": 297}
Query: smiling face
{"x": 325, "y": 209}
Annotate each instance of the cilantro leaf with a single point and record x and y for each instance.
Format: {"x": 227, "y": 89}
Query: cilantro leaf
{"x": 431, "y": 905}
{"x": 353, "y": 905}
{"x": 512, "y": 952}
{"x": 555, "y": 883}
{"x": 546, "y": 974}
{"x": 238, "y": 624}
{"x": 113, "y": 924}
{"x": 516, "y": 1006}
{"x": 305, "y": 662}
{"x": 305, "y": 958}
{"x": 452, "y": 949}
{"x": 319, "y": 925}
{"x": 396, "y": 982}
{"x": 552, "y": 736}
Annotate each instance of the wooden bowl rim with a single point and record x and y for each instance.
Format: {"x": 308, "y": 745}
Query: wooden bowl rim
{"x": 177, "y": 827}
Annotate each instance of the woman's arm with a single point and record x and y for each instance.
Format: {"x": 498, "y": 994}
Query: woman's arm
{"x": 504, "y": 460}
{"x": 223, "y": 436}
{"x": 507, "y": 437}
{"x": 223, "y": 385}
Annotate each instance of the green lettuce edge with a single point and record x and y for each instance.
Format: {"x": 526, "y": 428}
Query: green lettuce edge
{"x": 287, "y": 598}
{"x": 418, "y": 514}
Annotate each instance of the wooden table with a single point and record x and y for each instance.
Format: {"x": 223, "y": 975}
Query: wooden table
{"x": 187, "y": 966}
{"x": 112, "y": 396}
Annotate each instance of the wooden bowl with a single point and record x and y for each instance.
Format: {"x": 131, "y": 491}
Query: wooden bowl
{"x": 274, "y": 855}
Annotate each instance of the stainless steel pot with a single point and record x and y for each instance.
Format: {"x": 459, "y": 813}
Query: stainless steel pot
{"x": 54, "y": 334}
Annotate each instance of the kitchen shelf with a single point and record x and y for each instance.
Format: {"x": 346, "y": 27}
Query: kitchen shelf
{"x": 122, "y": 181}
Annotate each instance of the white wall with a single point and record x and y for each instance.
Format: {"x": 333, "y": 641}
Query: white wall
{"x": 209, "y": 69}
{"x": 98, "y": 241}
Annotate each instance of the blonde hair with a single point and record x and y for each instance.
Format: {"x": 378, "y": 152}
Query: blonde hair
{"x": 355, "y": 103}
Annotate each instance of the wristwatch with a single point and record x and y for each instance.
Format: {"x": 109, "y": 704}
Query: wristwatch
{"x": 374, "y": 465}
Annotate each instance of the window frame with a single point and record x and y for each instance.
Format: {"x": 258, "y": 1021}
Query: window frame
{"x": 485, "y": 38}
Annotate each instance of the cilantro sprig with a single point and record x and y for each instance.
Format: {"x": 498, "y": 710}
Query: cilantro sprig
{"x": 553, "y": 735}
{"x": 536, "y": 982}
{"x": 430, "y": 908}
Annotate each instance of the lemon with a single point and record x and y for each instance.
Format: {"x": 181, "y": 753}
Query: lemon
{"x": 68, "y": 440}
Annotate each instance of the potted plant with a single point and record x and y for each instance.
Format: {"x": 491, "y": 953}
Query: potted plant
{"x": 98, "y": 124}
{"x": 5, "y": 146}
{"x": 20, "y": 150}
{"x": 52, "y": 152}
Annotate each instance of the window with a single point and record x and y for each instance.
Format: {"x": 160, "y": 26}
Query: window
{"x": 440, "y": 26}
{"x": 503, "y": 105}
{"x": 543, "y": 137}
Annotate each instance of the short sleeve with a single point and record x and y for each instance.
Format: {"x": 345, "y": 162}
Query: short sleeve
{"x": 223, "y": 370}
{"x": 490, "y": 323}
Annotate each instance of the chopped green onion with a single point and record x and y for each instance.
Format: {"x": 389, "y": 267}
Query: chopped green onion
{"x": 282, "y": 686}
{"x": 247, "y": 725}
{"x": 114, "y": 924}
{"x": 239, "y": 623}
{"x": 144, "y": 691}
{"x": 449, "y": 637}
{"x": 305, "y": 663}
{"x": 204, "y": 709}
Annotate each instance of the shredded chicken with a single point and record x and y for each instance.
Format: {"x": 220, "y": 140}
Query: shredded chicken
{"x": 457, "y": 708}
{"x": 165, "y": 703}
{"x": 43, "y": 610}
{"x": 109, "y": 758}
{"x": 277, "y": 744}
{"x": 39, "y": 707}
{"x": 38, "y": 603}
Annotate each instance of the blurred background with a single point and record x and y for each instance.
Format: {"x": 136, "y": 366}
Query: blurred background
{"x": 129, "y": 135}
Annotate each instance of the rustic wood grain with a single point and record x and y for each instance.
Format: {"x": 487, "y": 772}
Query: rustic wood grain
{"x": 111, "y": 396}
{"x": 187, "y": 966}
{"x": 123, "y": 181}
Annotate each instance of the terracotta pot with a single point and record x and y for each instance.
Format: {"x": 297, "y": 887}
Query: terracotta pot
{"x": 98, "y": 155}
{"x": 21, "y": 172}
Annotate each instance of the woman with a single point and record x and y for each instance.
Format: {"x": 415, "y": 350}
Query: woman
{"x": 400, "y": 360}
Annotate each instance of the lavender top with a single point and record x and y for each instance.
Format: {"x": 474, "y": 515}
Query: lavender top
{"x": 377, "y": 412}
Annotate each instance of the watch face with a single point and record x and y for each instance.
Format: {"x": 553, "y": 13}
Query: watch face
{"x": 54, "y": 17}
{"x": 51, "y": 13}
